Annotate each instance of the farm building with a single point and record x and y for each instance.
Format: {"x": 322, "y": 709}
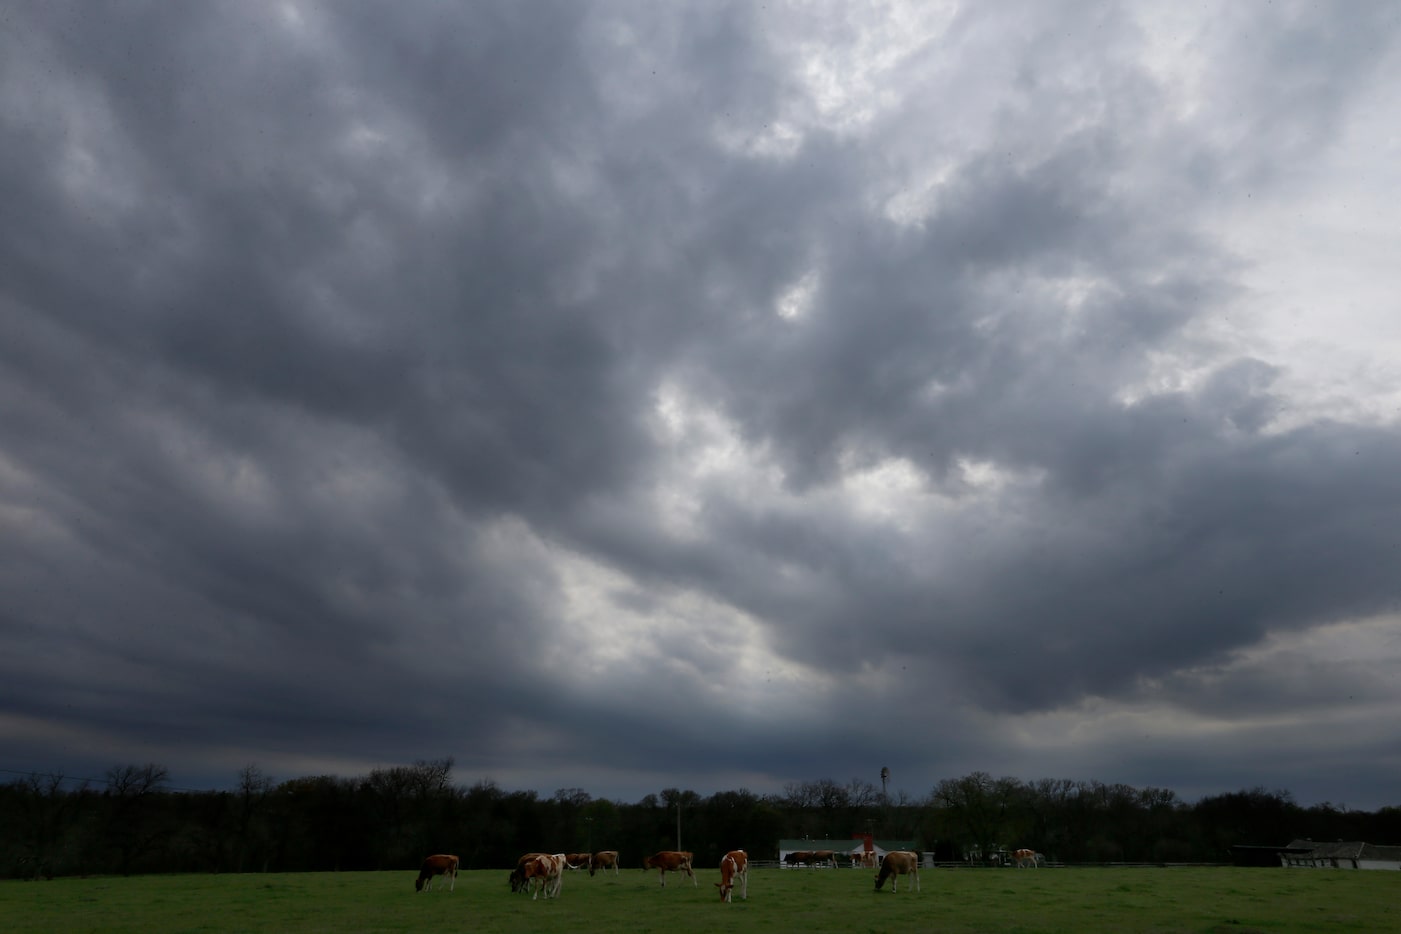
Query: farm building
{"x": 848, "y": 851}
{"x": 1340, "y": 855}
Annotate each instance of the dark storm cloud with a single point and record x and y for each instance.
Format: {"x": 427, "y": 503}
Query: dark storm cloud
{"x": 337, "y": 336}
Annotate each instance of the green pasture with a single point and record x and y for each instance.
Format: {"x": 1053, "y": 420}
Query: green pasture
{"x": 1006, "y": 901}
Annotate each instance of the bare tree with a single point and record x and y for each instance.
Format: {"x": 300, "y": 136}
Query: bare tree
{"x": 253, "y": 830}
{"x": 431, "y": 777}
{"x": 572, "y": 797}
{"x": 134, "y": 781}
{"x": 45, "y": 823}
{"x": 132, "y": 827}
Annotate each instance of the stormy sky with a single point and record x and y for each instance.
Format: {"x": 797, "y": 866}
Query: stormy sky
{"x": 707, "y": 395}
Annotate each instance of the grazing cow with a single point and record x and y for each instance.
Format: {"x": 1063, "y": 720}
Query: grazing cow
{"x": 544, "y": 873}
{"x": 898, "y": 863}
{"x": 576, "y": 860}
{"x": 798, "y": 858}
{"x": 823, "y": 856}
{"x": 1025, "y": 857}
{"x": 734, "y": 866}
{"x": 604, "y": 859}
{"x": 671, "y": 861}
{"x": 440, "y": 864}
{"x": 518, "y": 879}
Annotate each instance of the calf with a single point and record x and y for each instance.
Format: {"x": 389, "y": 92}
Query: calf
{"x": 441, "y": 864}
{"x": 671, "y": 861}
{"x": 734, "y": 866}
{"x": 898, "y": 863}
{"x": 604, "y": 859}
{"x": 1025, "y": 857}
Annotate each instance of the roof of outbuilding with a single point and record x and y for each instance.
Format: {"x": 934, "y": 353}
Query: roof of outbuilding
{"x": 1346, "y": 849}
{"x": 843, "y": 845}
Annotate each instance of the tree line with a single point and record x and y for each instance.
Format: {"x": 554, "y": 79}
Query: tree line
{"x": 132, "y": 821}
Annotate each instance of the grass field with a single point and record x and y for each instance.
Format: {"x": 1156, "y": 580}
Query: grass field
{"x": 1006, "y": 901}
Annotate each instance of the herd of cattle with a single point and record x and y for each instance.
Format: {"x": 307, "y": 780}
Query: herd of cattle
{"x": 538, "y": 873}
{"x": 830, "y": 857}
{"x": 543, "y": 872}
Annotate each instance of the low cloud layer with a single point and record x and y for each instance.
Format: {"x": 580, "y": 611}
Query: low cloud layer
{"x": 622, "y": 397}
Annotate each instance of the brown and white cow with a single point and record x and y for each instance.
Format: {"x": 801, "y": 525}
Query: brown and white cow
{"x": 898, "y": 863}
{"x": 1025, "y": 857}
{"x": 439, "y": 864}
{"x": 671, "y": 861}
{"x": 734, "y": 866}
{"x": 604, "y": 859}
{"x": 576, "y": 860}
{"x": 544, "y": 873}
{"x": 518, "y": 880}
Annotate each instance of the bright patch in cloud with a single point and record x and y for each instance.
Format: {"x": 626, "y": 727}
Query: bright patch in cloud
{"x": 796, "y": 301}
{"x": 848, "y": 57}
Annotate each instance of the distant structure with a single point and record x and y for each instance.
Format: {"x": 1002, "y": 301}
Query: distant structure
{"x": 1340, "y": 855}
{"x": 885, "y": 782}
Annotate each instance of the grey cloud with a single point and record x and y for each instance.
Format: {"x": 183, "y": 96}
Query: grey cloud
{"x": 298, "y": 317}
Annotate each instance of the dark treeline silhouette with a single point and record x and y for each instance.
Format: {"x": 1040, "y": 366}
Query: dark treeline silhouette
{"x": 132, "y": 821}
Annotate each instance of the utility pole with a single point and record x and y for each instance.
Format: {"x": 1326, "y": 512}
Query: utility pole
{"x": 678, "y": 824}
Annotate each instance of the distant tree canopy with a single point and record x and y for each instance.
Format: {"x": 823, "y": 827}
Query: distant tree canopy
{"x": 132, "y": 822}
